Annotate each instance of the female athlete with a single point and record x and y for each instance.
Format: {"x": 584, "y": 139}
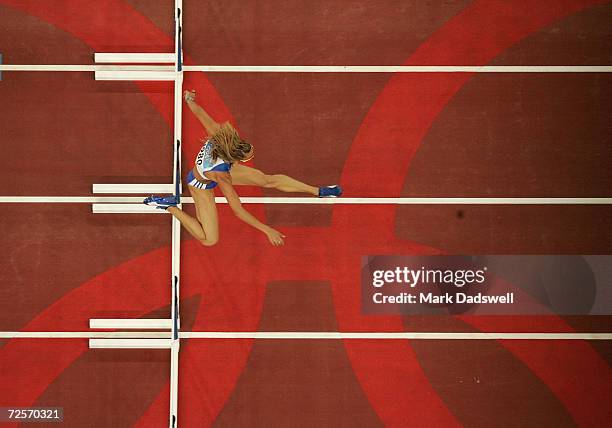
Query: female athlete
{"x": 218, "y": 163}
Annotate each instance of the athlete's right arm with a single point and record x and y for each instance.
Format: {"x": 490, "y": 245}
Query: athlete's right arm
{"x": 208, "y": 122}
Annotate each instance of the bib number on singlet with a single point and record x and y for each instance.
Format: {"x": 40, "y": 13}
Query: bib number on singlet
{"x": 205, "y": 151}
{"x": 200, "y": 157}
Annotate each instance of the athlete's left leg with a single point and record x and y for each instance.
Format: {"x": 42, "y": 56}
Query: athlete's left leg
{"x": 244, "y": 175}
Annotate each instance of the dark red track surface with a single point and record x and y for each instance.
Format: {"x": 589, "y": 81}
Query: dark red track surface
{"x": 535, "y": 135}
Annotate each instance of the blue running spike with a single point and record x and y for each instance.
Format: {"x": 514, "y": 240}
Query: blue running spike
{"x": 163, "y": 203}
{"x": 330, "y": 191}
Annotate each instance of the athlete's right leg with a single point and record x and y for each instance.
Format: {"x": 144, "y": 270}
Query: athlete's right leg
{"x": 206, "y": 227}
{"x": 245, "y": 175}
{"x": 242, "y": 174}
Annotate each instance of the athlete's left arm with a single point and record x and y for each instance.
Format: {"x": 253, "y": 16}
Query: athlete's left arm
{"x": 208, "y": 122}
{"x": 224, "y": 180}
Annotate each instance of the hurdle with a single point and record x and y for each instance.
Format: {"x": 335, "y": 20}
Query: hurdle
{"x": 121, "y": 71}
{"x": 173, "y": 323}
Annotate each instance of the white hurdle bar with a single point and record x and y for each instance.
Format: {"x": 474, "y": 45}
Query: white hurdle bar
{"x": 144, "y": 189}
{"x": 125, "y": 209}
{"x": 143, "y": 74}
{"x": 130, "y": 343}
{"x": 134, "y": 58}
{"x": 131, "y": 324}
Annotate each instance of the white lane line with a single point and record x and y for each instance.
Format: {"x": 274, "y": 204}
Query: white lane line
{"x": 127, "y": 208}
{"x": 174, "y": 382}
{"x": 176, "y": 181}
{"x": 415, "y": 201}
{"x": 400, "y": 69}
{"x": 176, "y": 225}
{"x": 422, "y": 201}
{"x": 320, "y": 201}
{"x": 136, "y": 323}
{"x": 304, "y": 335}
{"x": 111, "y": 57}
{"x": 322, "y": 69}
{"x": 398, "y": 335}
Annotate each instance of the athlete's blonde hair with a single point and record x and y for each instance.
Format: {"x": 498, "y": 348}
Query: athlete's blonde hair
{"x": 228, "y": 144}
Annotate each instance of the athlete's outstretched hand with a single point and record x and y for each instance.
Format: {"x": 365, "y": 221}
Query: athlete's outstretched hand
{"x": 275, "y": 237}
{"x": 189, "y": 95}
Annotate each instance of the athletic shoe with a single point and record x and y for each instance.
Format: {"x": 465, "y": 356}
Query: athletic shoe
{"x": 161, "y": 202}
{"x": 330, "y": 191}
